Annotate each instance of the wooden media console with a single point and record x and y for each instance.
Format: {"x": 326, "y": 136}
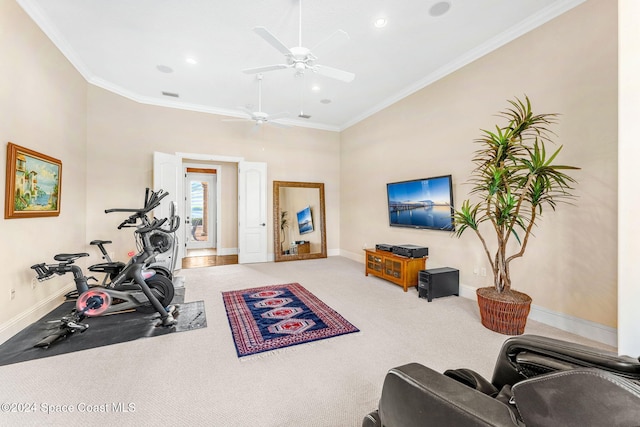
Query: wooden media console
{"x": 397, "y": 269}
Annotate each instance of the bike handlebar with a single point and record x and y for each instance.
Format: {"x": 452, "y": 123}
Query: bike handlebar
{"x": 150, "y": 204}
{"x": 156, "y": 223}
{"x": 131, "y": 220}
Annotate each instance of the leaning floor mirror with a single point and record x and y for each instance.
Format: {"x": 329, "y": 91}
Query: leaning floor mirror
{"x": 299, "y": 223}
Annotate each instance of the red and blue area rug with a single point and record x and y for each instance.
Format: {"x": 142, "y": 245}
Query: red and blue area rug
{"x": 278, "y": 316}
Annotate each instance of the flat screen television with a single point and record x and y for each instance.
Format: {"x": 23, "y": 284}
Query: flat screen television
{"x": 305, "y": 222}
{"x": 421, "y": 203}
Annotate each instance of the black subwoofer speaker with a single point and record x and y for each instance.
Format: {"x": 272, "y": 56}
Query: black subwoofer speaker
{"x": 438, "y": 282}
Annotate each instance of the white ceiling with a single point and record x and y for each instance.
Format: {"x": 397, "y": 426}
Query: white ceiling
{"x": 119, "y": 44}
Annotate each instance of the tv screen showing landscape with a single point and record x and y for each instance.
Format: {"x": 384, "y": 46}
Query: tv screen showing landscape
{"x": 421, "y": 203}
{"x": 305, "y": 223}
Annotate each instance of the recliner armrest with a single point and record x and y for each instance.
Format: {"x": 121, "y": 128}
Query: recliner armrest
{"x": 414, "y": 395}
{"x": 578, "y": 398}
{"x": 542, "y": 354}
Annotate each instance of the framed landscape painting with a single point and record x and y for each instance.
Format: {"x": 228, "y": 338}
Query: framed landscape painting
{"x": 33, "y": 186}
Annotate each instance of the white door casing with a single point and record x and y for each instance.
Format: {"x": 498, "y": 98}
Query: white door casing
{"x": 252, "y": 204}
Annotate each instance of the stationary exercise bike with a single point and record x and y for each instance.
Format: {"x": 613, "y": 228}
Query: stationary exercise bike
{"x": 134, "y": 286}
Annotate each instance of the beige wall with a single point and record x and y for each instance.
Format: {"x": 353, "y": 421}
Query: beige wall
{"x": 122, "y": 136}
{"x": 567, "y": 66}
{"x": 42, "y": 107}
{"x": 106, "y": 143}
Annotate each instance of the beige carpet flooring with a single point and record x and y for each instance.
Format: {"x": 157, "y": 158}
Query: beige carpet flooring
{"x": 195, "y": 378}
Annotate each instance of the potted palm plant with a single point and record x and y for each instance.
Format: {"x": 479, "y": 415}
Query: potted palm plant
{"x": 513, "y": 180}
{"x": 284, "y": 224}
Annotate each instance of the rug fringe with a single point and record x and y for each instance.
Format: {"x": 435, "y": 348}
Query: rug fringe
{"x": 297, "y": 347}
{"x": 277, "y": 351}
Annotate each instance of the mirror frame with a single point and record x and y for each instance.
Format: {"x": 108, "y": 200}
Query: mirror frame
{"x": 277, "y": 251}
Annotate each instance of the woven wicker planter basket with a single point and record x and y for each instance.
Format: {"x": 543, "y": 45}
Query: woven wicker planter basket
{"x": 507, "y": 317}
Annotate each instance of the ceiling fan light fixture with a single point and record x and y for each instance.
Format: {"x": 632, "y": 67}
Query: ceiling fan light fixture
{"x": 299, "y": 57}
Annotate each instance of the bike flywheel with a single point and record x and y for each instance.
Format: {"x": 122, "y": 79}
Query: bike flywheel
{"x": 93, "y": 302}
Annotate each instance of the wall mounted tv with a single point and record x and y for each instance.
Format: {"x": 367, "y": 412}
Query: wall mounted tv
{"x": 305, "y": 222}
{"x": 421, "y": 203}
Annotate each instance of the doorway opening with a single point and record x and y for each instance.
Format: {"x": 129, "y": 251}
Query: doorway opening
{"x": 200, "y": 192}
{"x": 201, "y": 219}
{"x": 240, "y": 204}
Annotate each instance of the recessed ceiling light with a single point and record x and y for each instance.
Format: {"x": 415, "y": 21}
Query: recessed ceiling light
{"x": 325, "y": 101}
{"x": 380, "y": 22}
{"x": 164, "y": 69}
{"x": 440, "y": 8}
{"x": 191, "y": 60}
{"x": 315, "y": 88}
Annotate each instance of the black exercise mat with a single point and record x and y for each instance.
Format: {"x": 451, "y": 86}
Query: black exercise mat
{"x": 102, "y": 331}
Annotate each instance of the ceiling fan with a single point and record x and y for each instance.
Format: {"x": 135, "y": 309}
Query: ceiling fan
{"x": 299, "y": 58}
{"x": 260, "y": 117}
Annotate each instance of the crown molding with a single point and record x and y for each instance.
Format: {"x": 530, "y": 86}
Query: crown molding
{"x": 523, "y": 27}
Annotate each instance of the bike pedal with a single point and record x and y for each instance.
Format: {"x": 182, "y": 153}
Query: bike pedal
{"x": 77, "y": 326}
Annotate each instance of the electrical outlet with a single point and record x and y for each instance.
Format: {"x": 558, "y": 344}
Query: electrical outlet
{"x": 483, "y": 272}
{"x": 364, "y": 246}
{"x": 476, "y": 271}
{"x": 13, "y": 293}
{"x": 34, "y": 282}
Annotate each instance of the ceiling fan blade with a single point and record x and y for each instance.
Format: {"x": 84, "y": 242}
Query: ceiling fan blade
{"x": 265, "y": 69}
{"x": 279, "y": 115}
{"x": 277, "y": 124}
{"x": 334, "y": 73}
{"x": 272, "y": 40}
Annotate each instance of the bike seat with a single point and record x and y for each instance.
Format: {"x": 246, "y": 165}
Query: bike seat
{"x": 69, "y": 257}
{"x": 99, "y": 242}
{"x": 108, "y": 267}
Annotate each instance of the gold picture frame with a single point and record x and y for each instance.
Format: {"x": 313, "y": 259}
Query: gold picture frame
{"x": 33, "y": 185}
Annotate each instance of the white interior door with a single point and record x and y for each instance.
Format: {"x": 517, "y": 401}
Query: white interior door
{"x": 252, "y": 212}
{"x": 167, "y": 175}
{"x": 200, "y": 219}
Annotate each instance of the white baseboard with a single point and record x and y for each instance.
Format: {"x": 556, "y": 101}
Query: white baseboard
{"x": 592, "y": 330}
{"x": 575, "y": 325}
{"x": 333, "y": 252}
{"x": 358, "y": 257}
{"x": 24, "y": 319}
{"x": 227, "y": 251}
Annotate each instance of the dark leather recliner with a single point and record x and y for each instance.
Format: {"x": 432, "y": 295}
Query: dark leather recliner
{"x": 537, "y": 381}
